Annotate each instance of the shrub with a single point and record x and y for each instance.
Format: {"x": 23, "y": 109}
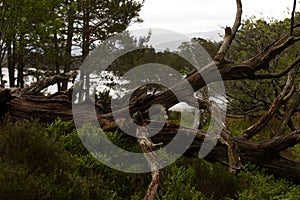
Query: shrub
{"x": 258, "y": 184}
{"x": 35, "y": 165}
{"x": 177, "y": 184}
{"x": 51, "y": 163}
{"x": 196, "y": 178}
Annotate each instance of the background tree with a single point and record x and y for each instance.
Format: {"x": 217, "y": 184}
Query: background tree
{"x": 98, "y": 20}
{"x": 28, "y": 31}
{"x": 31, "y": 38}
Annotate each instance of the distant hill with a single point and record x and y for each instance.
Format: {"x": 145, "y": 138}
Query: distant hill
{"x": 209, "y": 35}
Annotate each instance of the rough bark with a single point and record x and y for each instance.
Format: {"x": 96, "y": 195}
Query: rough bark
{"x": 68, "y": 50}
{"x": 47, "y": 109}
{"x": 152, "y": 157}
{"x": 230, "y": 34}
{"x": 277, "y": 103}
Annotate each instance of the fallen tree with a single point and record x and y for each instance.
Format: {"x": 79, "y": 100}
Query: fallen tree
{"x": 230, "y": 150}
{"x": 265, "y": 153}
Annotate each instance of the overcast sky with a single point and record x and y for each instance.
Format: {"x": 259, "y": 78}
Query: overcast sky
{"x": 187, "y": 16}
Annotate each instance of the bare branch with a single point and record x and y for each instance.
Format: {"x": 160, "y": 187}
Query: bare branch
{"x": 281, "y": 143}
{"x": 261, "y": 60}
{"x": 277, "y": 103}
{"x": 230, "y": 33}
{"x": 228, "y": 71}
{"x": 280, "y": 74}
{"x": 288, "y": 114}
{"x": 151, "y": 156}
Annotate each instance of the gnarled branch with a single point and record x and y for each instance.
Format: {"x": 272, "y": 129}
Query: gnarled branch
{"x": 288, "y": 114}
{"x": 261, "y": 60}
{"x": 230, "y": 33}
{"x": 277, "y": 103}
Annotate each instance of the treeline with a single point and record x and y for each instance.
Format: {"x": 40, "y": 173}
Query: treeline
{"x": 43, "y": 34}
{"x": 170, "y": 58}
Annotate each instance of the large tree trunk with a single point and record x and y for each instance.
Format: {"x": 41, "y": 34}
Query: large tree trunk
{"x": 47, "y": 109}
{"x": 68, "y": 53}
{"x": 11, "y": 63}
{"x": 20, "y": 62}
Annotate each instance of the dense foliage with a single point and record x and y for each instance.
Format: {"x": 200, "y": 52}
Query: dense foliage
{"x": 41, "y": 161}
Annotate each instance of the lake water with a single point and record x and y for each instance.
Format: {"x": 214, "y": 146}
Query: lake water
{"x": 102, "y": 80}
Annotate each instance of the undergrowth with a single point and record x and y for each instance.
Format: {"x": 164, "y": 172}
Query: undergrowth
{"x": 50, "y": 162}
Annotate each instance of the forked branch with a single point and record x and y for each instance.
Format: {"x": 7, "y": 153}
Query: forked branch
{"x": 277, "y": 103}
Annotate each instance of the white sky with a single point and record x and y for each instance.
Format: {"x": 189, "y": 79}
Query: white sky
{"x": 187, "y": 16}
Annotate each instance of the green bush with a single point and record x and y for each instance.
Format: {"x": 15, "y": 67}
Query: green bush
{"x": 30, "y": 144}
{"x": 40, "y": 162}
{"x": 177, "y": 184}
{"x": 258, "y": 184}
{"x": 190, "y": 178}
{"x": 119, "y": 185}
{"x": 196, "y": 178}
{"x": 59, "y": 128}
{"x": 35, "y": 165}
